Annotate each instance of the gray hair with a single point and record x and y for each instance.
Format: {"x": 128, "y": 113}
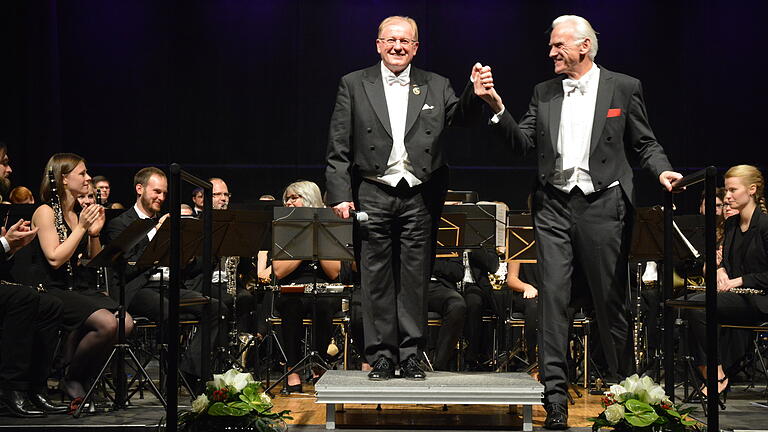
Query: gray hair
{"x": 582, "y": 30}
{"x": 307, "y": 190}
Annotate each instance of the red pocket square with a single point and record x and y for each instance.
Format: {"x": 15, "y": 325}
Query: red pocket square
{"x": 614, "y": 112}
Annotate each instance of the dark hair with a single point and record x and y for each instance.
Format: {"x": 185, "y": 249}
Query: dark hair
{"x": 142, "y": 177}
{"x": 61, "y": 164}
{"x": 99, "y": 179}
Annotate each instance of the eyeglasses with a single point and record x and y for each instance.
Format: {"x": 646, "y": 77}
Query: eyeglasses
{"x": 222, "y": 194}
{"x": 392, "y": 41}
{"x": 294, "y": 197}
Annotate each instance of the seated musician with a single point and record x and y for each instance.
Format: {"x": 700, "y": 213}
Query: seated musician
{"x": 294, "y": 307}
{"x": 29, "y": 325}
{"x": 480, "y": 298}
{"x": 444, "y": 299}
{"x": 102, "y": 186}
{"x": 143, "y": 287}
{"x": 744, "y": 265}
{"x": 225, "y": 268}
{"x": 64, "y": 238}
{"x": 20, "y": 195}
{"x": 524, "y": 280}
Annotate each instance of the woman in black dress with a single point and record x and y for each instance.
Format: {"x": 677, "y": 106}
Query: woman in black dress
{"x": 66, "y": 237}
{"x": 744, "y": 264}
{"x": 294, "y": 307}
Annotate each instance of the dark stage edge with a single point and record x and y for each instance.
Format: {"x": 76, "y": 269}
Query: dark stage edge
{"x": 134, "y": 419}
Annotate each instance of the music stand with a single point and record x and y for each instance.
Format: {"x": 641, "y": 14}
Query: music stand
{"x": 302, "y": 233}
{"x": 521, "y": 243}
{"x": 112, "y": 256}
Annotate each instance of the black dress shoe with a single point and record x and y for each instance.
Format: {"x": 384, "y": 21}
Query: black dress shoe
{"x": 43, "y": 403}
{"x": 410, "y": 369}
{"x": 17, "y": 404}
{"x": 557, "y": 416}
{"x": 383, "y": 370}
{"x": 296, "y": 388}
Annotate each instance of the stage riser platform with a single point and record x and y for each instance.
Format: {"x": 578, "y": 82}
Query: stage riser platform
{"x": 354, "y": 387}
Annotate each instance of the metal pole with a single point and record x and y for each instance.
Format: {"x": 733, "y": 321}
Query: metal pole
{"x": 173, "y": 299}
{"x": 669, "y": 319}
{"x": 713, "y": 420}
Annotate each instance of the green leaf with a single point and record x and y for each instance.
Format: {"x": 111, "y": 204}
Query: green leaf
{"x": 639, "y": 414}
{"x": 217, "y": 409}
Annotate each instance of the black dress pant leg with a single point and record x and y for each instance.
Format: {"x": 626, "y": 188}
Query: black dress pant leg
{"x": 396, "y": 253}
{"x": 452, "y": 309}
{"x": 48, "y": 324}
{"x": 18, "y": 311}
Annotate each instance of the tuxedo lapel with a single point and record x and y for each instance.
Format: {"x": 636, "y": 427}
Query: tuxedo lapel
{"x": 555, "y": 107}
{"x": 374, "y": 89}
{"x": 605, "y": 90}
{"x": 416, "y": 97}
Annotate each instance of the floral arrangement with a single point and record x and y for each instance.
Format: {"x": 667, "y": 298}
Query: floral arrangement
{"x": 639, "y": 404}
{"x": 235, "y": 401}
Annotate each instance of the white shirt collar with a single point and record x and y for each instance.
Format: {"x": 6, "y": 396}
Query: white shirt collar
{"x": 141, "y": 214}
{"x": 385, "y": 72}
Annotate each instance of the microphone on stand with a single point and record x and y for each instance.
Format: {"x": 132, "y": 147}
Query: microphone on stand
{"x": 359, "y": 216}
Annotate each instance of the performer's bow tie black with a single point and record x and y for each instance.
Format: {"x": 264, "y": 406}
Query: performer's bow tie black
{"x": 400, "y": 79}
{"x": 569, "y": 85}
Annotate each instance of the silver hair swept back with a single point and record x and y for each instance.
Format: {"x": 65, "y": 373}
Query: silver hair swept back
{"x": 583, "y": 30}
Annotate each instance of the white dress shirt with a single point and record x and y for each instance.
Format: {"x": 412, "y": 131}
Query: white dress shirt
{"x": 166, "y": 271}
{"x": 575, "y": 134}
{"x": 398, "y": 165}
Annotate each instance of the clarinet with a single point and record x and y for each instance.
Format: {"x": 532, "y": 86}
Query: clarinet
{"x": 58, "y": 218}
{"x": 100, "y": 271}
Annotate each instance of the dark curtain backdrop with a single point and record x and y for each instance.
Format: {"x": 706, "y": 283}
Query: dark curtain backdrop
{"x": 244, "y": 89}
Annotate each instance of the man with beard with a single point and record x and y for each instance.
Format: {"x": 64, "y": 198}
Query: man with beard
{"x": 142, "y": 288}
{"x": 29, "y": 323}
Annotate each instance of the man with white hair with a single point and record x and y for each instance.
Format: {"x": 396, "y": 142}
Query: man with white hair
{"x": 584, "y": 127}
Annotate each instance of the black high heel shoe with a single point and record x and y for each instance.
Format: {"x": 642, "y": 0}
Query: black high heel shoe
{"x": 722, "y": 396}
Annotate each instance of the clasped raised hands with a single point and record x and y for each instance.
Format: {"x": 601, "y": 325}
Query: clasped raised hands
{"x": 482, "y": 81}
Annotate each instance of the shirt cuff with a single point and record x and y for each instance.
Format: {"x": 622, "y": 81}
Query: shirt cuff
{"x": 6, "y": 245}
{"x": 496, "y": 117}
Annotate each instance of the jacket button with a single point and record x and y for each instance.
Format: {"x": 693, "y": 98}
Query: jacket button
{"x": 372, "y": 148}
{"x": 376, "y": 166}
{"x": 608, "y": 139}
{"x": 424, "y": 169}
{"x": 543, "y": 176}
{"x": 426, "y": 150}
{"x": 603, "y": 161}
{"x": 542, "y": 133}
{"x": 428, "y": 132}
{"x": 542, "y": 155}
{"x": 369, "y": 130}
{"x": 599, "y": 183}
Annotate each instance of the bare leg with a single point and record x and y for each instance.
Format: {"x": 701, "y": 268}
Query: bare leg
{"x": 722, "y": 380}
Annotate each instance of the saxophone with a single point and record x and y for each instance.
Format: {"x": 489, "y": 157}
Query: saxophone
{"x": 58, "y": 217}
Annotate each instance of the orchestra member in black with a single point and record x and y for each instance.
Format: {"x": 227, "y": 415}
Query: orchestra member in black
{"x": 479, "y": 297}
{"x": 444, "y": 299}
{"x": 64, "y": 238}
{"x": 294, "y": 307}
{"x": 744, "y": 265}
{"x": 142, "y": 286}
{"x": 384, "y": 158}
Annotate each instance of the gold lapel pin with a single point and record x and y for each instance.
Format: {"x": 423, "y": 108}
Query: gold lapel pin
{"x": 416, "y": 91}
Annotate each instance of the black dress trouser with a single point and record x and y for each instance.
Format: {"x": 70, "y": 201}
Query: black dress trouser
{"x": 581, "y": 236}
{"x": 30, "y": 325}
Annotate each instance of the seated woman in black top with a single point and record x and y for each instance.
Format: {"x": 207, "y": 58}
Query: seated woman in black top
{"x": 744, "y": 263}
{"x": 294, "y": 307}
{"x": 63, "y": 243}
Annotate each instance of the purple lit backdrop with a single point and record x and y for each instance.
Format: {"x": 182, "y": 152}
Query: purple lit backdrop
{"x": 244, "y": 89}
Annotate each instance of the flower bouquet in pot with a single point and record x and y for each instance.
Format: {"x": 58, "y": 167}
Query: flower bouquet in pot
{"x": 639, "y": 404}
{"x": 233, "y": 401}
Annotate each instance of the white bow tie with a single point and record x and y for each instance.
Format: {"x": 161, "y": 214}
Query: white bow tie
{"x": 569, "y": 85}
{"x": 403, "y": 80}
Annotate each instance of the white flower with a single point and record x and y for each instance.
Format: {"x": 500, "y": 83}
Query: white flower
{"x": 631, "y": 384}
{"x": 614, "y": 413}
{"x": 617, "y": 390}
{"x": 265, "y": 399}
{"x": 200, "y": 404}
{"x": 232, "y": 378}
{"x": 656, "y": 395}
